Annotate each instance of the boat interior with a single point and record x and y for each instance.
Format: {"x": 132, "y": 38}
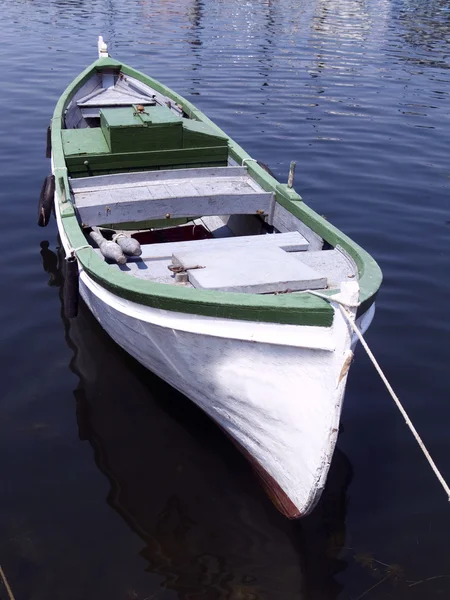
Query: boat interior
{"x": 141, "y": 168}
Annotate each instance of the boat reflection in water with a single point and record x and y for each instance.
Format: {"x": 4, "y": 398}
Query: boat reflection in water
{"x": 207, "y": 527}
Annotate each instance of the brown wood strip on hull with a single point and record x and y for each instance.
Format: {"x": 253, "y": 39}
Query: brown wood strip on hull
{"x": 276, "y": 494}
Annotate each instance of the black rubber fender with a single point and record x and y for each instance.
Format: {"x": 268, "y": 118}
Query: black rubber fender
{"x": 48, "y": 149}
{"x": 46, "y": 200}
{"x": 70, "y": 288}
{"x": 266, "y": 168}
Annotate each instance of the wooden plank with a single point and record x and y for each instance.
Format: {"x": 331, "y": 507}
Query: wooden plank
{"x": 73, "y": 114}
{"x": 90, "y": 113}
{"x": 134, "y": 84}
{"x": 122, "y": 84}
{"x": 283, "y": 220}
{"x": 173, "y": 195}
{"x": 97, "y": 91}
{"x": 113, "y": 97}
{"x": 156, "y": 271}
{"x": 290, "y": 242}
{"x": 139, "y": 206}
{"x": 164, "y": 184}
{"x": 155, "y": 158}
{"x": 86, "y": 141}
{"x": 266, "y": 271}
{"x": 196, "y": 133}
{"x": 97, "y": 173}
{"x": 215, "y": 225}
{"x": 335, "y": 265}
{"x": 140, "y": 177}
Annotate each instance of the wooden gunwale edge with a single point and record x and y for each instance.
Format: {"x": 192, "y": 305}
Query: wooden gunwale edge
{"x": 298, "y": 309}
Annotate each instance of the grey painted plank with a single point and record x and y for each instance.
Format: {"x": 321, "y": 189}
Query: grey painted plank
{"x": 215, "y": 225}
{"x": 266, "y": 271}
{"x": 97, "y": 92}
{"x": 73, "y": 114}
{"x": 90, "y": 113}
{"x": 290, "y": 242}
{"x": 114, "y": 97}
{"x": 156, "y": 270}
{"x": 175, "y": 193}
{"x": 333, "y": 264}
{"x": 106, "y": 211}
{"x": 133, "y": 83}
{"x": 141, "y": 177}
{"x": 283, "y": 220}
{"x": 152, "y": 270}
{"x": 122, "y": 84}
{"x": 169, "y": 188}
{"x": 225, "y": 185}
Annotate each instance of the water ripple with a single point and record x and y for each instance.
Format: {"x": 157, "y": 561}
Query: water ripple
{"x": 357, "y": 93}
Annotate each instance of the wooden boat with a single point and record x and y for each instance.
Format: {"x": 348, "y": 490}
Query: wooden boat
{"x": 234, "y": 299}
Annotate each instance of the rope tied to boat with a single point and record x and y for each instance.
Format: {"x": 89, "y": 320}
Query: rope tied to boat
{"x": 244, "y": 160}
{"x": 351, "y": 321}
{"x": 73, "y": 251}
{"x": 334, "y": 299}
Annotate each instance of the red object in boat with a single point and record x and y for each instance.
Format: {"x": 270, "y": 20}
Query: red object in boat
{"x": 184, "y": 233}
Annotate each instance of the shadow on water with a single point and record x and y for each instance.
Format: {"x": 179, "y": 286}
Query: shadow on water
{"x": 207, "y": 528}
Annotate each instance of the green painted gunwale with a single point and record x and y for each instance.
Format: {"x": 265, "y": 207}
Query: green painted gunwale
{"x": 299, "y": 309}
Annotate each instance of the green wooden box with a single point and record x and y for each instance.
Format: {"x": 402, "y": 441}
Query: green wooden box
{"x": 127, "y": 130}
{"x": 200, "y": 135}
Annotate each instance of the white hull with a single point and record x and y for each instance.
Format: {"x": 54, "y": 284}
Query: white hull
{"x": 276, "y": 390}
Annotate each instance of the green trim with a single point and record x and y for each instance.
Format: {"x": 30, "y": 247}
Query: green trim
{"x": 299, "y": 309}
{"x": 124, "y": 160}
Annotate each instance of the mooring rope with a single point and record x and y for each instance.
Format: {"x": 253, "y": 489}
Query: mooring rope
{"x": 6, "y": 584}
{"x": 248, "y": 159}
{"x": 73, "y": 251}
{"x": 394, "y": 396}
{"x": 349, "y": 318}
{"x": 332, "y": 299}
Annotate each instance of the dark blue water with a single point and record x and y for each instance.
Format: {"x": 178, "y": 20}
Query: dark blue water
{"x": 112, "y": 485}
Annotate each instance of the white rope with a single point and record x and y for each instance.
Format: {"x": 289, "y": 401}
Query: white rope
{"x": 75, "y": 250}
{"x": 331, "y": 298}
{"x": 6, "y": 584}
{"x": 119, "y": 235}
{"x": 353, "y": 325}
{"x": 349, "y": 318}
{"x": 247, "y": 160}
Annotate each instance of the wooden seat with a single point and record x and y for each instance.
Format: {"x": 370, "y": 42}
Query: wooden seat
{"x": 260, "y": 270}
{"x": 292, "y": 241}
{"x": 175, "y": 193}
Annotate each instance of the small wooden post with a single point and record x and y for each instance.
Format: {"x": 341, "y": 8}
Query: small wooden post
{"x": 290, "y": 182}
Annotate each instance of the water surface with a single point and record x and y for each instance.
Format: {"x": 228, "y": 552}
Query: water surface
{"x": 113, "y": 485}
